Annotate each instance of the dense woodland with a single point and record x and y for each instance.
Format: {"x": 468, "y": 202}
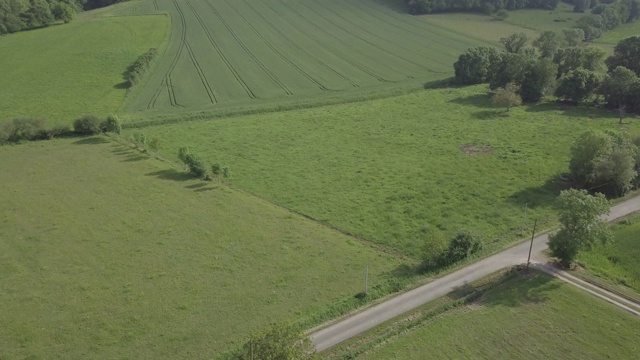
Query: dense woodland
{"x": 17, "y": 15}
{"x": 487, "y": 6}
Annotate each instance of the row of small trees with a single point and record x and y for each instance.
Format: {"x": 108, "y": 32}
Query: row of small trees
{"x": 556, "y": 66}
{"x": 199, "y": 167}
{"x": 32, "y": 129}
{"x": 604, "y": 15}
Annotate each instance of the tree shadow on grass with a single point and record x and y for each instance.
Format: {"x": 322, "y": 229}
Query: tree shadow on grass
{"x": 540, "y": 196}
{"x": 203, "y": 189}
{"x": 572, "y": 110}
{"x": 122, "y": 86}
{"x": 91, "y": 141}
{"x": 490, "y": 114}
{"x": 525, "y": 288}
{"x": 133, "y": 158}
{"x": 171, "y": 174}
{"x": 477, "y": 100}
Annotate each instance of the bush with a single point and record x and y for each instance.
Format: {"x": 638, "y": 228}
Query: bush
{"x": 112, "y": 124}
{"x": 463, "y": 245}
{"x": 139, "y": 67}
{"x": 196, "y": 166}
{"x": 58, "y": 130}
{"x": 154, "y": 143}
{"x": 29, "y": 129}
{"x": 87, "y": 125}
{"x": 500, "y": 14}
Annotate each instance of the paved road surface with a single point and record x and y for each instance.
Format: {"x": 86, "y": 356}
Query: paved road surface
{"x": 367, "y": 319}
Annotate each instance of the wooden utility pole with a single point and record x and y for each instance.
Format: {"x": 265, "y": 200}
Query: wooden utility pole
{"x": 533, "y": 234}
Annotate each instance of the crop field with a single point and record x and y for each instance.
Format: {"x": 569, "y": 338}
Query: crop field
{"x": 618, "y": 261}
{"x": 105, "y": 253}
{"x": 63, "y": 72}
{"x": 385, "y": 169}
{"x": 527, "y": 317}
{"x": 226, "y": 53}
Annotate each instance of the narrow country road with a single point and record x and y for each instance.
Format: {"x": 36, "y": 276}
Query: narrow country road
{"x": 369, "y": 318}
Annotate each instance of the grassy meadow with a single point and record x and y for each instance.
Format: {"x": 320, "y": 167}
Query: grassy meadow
{"x": 385, "y": 169}
{"x": 224, "y": 53}
{"x": 106, "y": 253}
{"x": 525, "y": 317}
{"x": 65, "y": 71}
{"x": 617, "y": 262}
{"x": 621, "y": 32}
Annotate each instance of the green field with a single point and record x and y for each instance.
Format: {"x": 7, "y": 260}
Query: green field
{"x": 105, "y": 253}
{"x": 230, "y": 53}
{"x": 63, "y": 72}
{"x": 526, "y": 317}
{"x": 617, "y": 262}
{"x": 621, "y": 32}
{"x": 385, "y": 169}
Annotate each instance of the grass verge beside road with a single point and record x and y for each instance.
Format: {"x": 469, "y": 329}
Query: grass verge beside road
{"x": 517, "y": 316}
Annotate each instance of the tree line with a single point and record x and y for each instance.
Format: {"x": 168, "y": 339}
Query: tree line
{"x": 487, "y": 6}
{"x": 556, "y": 65}
{"x": 18, "y": 15}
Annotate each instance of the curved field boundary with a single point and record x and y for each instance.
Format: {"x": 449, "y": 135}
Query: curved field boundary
{"x": 335, "y": 52}
{"x": 221, "y": 54}
{"x": 289, "y": 40}
{"x": 245, "y": 48}
{"x": 166, "y": 82}
{"x": 203, "y": 78}
{"x": 382, "y": 48}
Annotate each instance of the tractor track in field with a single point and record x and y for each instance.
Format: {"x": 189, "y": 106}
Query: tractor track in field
{"x": 345, "y": 31}
{"x": 246, "y": 49}
{"x": 235, "y": 73}
{"x": 336, "y": 53}
{"x": 290, "y": 41}
{"x": 203, "y": 78}
{"x": 383, "y": 48}
{"x": 364, "y": 40}
{"x": 442, "y": 46}
{"x": 277, "y": 52}
{"x": 166, "y": 82}
{"x": 155, "y": 5}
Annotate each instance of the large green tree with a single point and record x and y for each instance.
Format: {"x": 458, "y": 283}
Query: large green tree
{"x": 626, "y": 54}
{"x": 604, "y": 161}
{"x": 581, "y": 225}
{"x": 474, "y": 66}
{"x": 617, "y": 87}
{"x": 548, "y": 43}
{"x": 514, "y": 43}
{"x": 578, "y": 85}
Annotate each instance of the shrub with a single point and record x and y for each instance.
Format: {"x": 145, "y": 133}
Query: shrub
{"x": 139, "y": 138}
{"x": 27, "y": 129}
{"x": 139, "y": 67}
{"x": 196, "y": 166}
{"x": 463, "y": 245}
{"x": 58, "y": 130}
{"x": 500, "y": 14}
{"x": 87, "y": 125}
{"x": 154, "y": 143}
{"x": 112, "y": 124}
